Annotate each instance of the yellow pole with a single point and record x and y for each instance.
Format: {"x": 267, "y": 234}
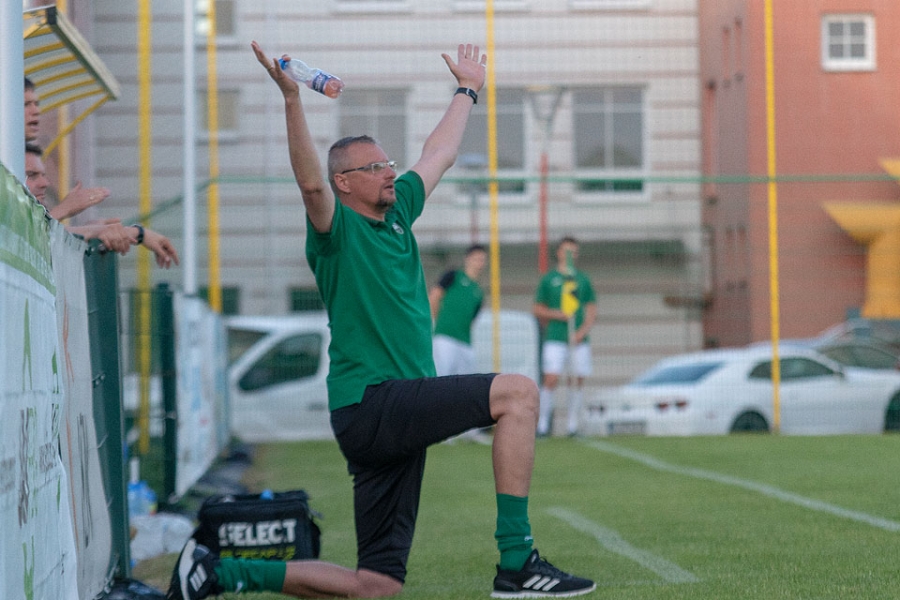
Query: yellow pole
{"x": 492, "y": 186}
{"x": 64, "y": 156}
{"x": 145, "y": 141}
{"x": 215, "y": 283}
{"x": 773, "y": 218}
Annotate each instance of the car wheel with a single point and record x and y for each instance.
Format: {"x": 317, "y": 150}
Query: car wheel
{"x": 892, "y": 418}
{"x": 750, "y": 422}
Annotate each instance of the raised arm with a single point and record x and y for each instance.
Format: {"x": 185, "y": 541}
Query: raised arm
{"x": 77, "y": 200}
{"x": 442, "y": 145}
{"x": 318, "y": 197}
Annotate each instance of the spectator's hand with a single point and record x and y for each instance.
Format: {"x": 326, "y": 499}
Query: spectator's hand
{"x": 469, "y": 68}
{"x": 289, "y": 87}
{"x": 114, "y": 236}
{"x": 77, "y": 200}
{"x": 162, "y": 247}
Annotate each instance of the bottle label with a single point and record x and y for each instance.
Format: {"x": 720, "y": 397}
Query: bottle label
{"x": 319, "y": 81}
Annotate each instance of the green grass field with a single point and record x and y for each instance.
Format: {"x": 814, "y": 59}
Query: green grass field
{"x": 701, "y": 518}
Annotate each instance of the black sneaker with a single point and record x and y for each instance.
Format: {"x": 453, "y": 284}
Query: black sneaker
{"x": 539, "y": 579}
{"x": 194, "y": 576}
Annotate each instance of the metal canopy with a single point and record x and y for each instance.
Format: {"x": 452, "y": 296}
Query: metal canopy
{"x": 62, "y": 64}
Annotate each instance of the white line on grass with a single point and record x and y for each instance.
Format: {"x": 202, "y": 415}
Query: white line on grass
{"x": 765, "y": 490}
{"x": 612, "y": 541}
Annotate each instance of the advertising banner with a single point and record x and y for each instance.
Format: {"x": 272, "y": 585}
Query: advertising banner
{"x": 87, "y": 498}
{"x": 37, "y": 550}
{"x": 199, "y": 349}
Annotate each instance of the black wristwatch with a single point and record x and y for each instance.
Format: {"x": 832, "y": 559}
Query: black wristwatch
{"x": 468, "y": 92}
{"x": 140, "y": 235}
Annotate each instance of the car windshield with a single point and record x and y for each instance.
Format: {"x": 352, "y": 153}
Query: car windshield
{"x": 690, "y": 373}
{"x": 240, "y": 340}
{"x": 861, "y": 356}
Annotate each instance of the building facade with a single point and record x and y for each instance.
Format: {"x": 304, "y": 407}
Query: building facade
{"x": 607, "y": 90}
{"x": 836, "y": 132}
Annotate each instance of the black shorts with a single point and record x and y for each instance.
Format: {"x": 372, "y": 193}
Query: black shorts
{"x": 384, "y": 438}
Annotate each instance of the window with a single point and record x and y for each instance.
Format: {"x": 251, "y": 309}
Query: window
{"x": 380, "y": 114}
{"x": 241, "y": 340}
{"x": 510, "y": 139}
{"x": 226, "y": 19}
{"x": 690, "y": 373}
{"x": 791, "y": 369}
{"x": 293, "y": 358}
{"x": 609, "y": 139}
{"x": 231, "y": 299}
{"x": 848, "y": 43}
{"x": 305, "y": 299}
{"x": 869, "y": 357}
{"x": 229, "y": 111}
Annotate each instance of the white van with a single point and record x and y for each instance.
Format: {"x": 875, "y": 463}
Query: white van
{"x": 278, "y": 366}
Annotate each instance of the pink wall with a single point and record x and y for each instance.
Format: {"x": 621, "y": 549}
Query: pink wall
{"x": 828, "y": 124}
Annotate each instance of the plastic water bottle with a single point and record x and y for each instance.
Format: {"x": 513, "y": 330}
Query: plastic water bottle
{"x": 141, "y": 499}
{"x": 135, "y": 504}
{"x": 315, "y": 79}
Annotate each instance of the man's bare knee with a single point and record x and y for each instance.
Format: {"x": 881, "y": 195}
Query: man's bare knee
{"x": 512, "y": 393}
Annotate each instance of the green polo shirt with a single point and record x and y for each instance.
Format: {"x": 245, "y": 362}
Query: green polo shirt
{"x": 461, "y": 303}
{"x": 549, "y": 293}
{"x": 371, "y": 280}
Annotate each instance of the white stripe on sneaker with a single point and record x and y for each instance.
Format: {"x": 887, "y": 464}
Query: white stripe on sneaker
{"x": 541, "y": 584}
{"x": 198, "y": 577}
{"x": 551, "y": 585}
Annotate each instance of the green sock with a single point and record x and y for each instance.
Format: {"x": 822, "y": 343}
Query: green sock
{"x": 513, "y": 531}
{"x": 240, "y": 575}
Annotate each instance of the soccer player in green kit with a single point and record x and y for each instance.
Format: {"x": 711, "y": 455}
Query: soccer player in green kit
{"x": 455, "y": 302}
{"x": 387, "y": 406}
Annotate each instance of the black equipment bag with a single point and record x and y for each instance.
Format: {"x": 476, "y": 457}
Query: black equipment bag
{"x": 280, "y": 527}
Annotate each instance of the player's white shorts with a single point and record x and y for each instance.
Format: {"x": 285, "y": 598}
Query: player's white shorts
{"x": 452, "y": 357}
{"x": 554, "y": 355}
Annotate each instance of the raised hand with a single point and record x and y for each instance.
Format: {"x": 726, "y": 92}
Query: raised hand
{"x": 287, "y": 85}
{"x": 468, "y": 69}
{"x": 161, "y": 247}
{"x": 77, "y": 200}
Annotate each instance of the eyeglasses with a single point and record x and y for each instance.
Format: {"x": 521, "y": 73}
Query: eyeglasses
{"x": 375, "y": 167}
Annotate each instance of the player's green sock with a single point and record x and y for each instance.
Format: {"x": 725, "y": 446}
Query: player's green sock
{"x": 240, "y": 575}
{"x": 513, "y": 531}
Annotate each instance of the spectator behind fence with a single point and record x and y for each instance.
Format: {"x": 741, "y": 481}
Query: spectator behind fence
{"x": 79, "y": 198}
{"x": 114, "y": 236}
{"x": 386, "y": 404}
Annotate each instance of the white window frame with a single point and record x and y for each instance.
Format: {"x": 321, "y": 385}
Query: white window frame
{"x": 641, "y": 172}
{"x": 222, "y": 39}
{"x": 866, "y": 63}
{"x": 464, "y": 194}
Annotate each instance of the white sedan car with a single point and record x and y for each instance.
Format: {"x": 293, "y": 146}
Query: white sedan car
{"x": 715, "y": 392}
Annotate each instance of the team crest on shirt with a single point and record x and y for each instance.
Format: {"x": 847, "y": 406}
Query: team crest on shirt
{"x": 397, "y": 228}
